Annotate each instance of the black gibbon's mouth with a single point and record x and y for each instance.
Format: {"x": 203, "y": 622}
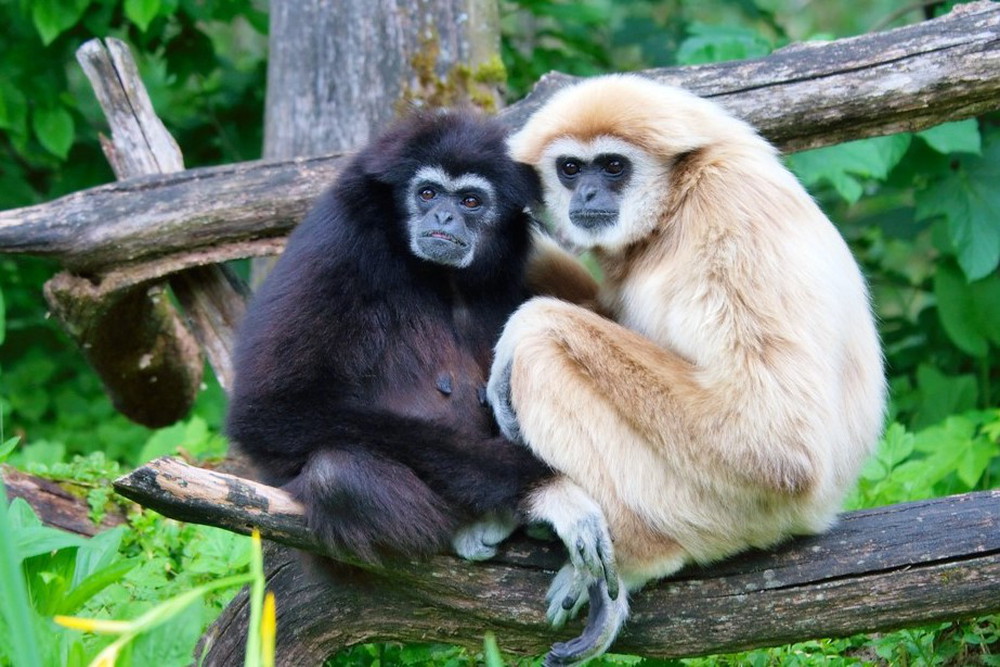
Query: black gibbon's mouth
{"x": 444, "y": 236}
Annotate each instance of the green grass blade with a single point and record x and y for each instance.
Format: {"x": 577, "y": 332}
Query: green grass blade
{"x": 16, "y": 608}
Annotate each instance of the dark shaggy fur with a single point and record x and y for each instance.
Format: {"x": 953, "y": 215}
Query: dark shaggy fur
{"x": 360, "y": 368}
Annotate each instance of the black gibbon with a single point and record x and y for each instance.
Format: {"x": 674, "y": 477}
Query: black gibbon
{"x": 729, "y": 386}
{"x": 361, "y": 365}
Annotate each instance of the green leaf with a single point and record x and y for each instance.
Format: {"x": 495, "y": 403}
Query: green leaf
{"x": 13, "y": 108}
{"x": 38, "y": 540}
{"x": 3, "y": 319}
{"x": 844, "y": 164}
{"x": 142, "y": 12}
{"x": 969, "y": 312}
{"x": 7, "y": 447}
{"x": 99, "y": 552}
{"x": 491, "y": 651}
{"x": 94, "y": 584}
{"x": 942, "y": 395}
{"x": 16, "y": 612}
{"x": 958, "y": 137}
{"x": 53, "y": 17}
{"x": 969, "y": 200}
{"x": 975, "y": 460}
{"x": 716, "y": 43}
{"x": 54, "y": 128}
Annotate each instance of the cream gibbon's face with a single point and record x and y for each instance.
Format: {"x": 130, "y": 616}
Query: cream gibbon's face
{"x": 602, "y": 193}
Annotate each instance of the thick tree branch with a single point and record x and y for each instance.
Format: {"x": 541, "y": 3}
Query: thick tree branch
{"x": 877, "y": 569}
{"x": 803, "y": 96}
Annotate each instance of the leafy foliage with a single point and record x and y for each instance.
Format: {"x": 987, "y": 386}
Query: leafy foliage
{"x": 919, "y": 209}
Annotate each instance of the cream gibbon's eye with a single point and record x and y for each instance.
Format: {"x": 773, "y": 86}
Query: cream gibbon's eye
{"x": 569, "y": 167}
{"x": 614, "y": 166}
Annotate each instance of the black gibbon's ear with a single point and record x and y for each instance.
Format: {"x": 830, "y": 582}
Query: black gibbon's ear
{"x": 532, "y": 184}
{"x": 380, "y": 161}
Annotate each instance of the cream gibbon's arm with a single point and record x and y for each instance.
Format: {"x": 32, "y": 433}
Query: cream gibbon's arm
{"x": 733, "y": 392}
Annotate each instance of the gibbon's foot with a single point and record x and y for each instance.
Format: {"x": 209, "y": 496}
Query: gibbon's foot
{"x": 498, "y": 395}
{"x": 604, "y": 621}
{"x": 591, "y": 552}
{"x": 565, "y": 596}
{"x": 581, "y": 525}
{"x": 479, "y": 540}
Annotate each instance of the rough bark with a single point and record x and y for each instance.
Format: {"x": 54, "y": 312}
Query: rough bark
{"x": 62, "y": 505}
{"x": 335, "y": 77}
{"x": 130, "y": 334}
{"x": 139, "y": 346}
{"x": 878, "y": 569}
{"x": 803, "y": 96}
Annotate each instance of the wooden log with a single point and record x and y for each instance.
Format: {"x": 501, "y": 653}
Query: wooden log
{"x": 800, "y": 97}
{"x": 58, "y": 504}
{"x": 876, "y": 570}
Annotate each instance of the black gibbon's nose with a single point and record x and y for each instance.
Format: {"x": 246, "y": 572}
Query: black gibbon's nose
{"x": 444, "y": 217}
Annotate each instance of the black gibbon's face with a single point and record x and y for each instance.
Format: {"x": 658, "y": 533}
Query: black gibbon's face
{"x": 447, "y": 215}
{"x": 597, "y": 185}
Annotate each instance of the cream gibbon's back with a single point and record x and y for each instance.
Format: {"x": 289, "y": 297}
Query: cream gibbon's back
{"x": 729, "y": 386}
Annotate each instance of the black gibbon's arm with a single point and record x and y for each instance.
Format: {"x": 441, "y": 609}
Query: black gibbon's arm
{"x": 732, "y": 392}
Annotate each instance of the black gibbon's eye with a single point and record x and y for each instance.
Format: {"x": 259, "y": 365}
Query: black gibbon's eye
{"x": 614, "y": 167}
{"x": 569, "y": 167}
{"x": 471, "y": 201}
{"x": 427, "y": 194}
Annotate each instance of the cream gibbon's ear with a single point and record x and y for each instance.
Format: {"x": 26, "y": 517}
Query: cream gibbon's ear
{"x": 735, "y": 387}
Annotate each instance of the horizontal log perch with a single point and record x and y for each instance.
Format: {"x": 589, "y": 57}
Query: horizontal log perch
{"x": 878, "y": 569}
{"x": 803, "y": 96}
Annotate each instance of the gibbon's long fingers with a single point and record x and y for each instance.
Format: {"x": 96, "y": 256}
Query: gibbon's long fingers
{"x": 498, "y": 396}
{"x": 568, "y": 586}
{"x": 604, "y": 620}
{"x": 591, "y": 551}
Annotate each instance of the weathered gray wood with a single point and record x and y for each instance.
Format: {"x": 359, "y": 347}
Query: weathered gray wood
{"x": 335, "y": 77}
{"x": 130, "y": 333}
{"x": 878, "y": 569}
{"x": 804, "y": 96}
{"x": 213, "y": 300}
{"x": 142, "y": 146}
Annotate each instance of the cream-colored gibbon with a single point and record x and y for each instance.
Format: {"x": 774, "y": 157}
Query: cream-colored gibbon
{"x": 726, "y": 387}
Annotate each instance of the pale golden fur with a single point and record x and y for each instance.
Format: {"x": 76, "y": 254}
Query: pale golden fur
{"x": 739, "y": 387}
